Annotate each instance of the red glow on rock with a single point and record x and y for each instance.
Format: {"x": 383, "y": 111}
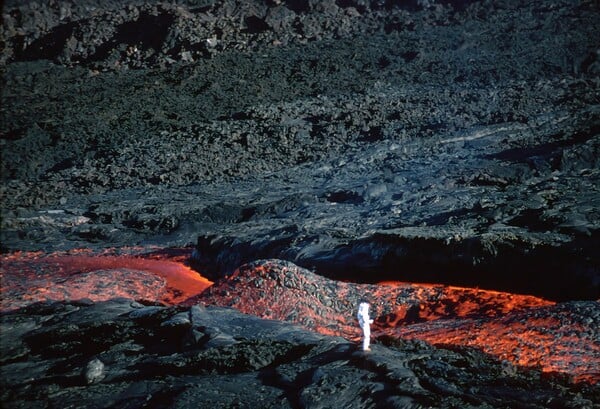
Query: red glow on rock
{"x": 522, "y": 329}
{"x": 545, "y": 337}
{"x": 31, "y": 277}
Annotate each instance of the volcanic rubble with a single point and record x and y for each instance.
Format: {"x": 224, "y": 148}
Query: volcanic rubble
{"x": 452, "y": 142}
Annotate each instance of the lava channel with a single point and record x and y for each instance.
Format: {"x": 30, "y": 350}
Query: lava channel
{"x": 524, "y": 330}
{"x": 28, "y": 277}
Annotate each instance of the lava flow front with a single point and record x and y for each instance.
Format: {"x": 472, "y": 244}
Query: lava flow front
{"x": 525, "y": 330}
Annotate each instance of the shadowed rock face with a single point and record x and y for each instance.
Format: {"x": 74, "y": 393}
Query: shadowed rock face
{"x": 125, "y": 353}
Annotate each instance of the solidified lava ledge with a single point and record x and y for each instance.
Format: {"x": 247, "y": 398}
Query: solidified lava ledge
{"x": 197, "y": 194}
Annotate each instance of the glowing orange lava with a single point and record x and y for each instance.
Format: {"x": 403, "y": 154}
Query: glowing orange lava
{"x": 543, "y": 335}
{"x": 31, "y": 277}
{"x": 522, "y": 329}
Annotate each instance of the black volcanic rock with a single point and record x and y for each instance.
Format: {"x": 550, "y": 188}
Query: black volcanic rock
{"x": 122, "y": 353}
{"x": 450, "y": 142}
{"x": 431, "y": 141}
{"x": 518, "y": 328}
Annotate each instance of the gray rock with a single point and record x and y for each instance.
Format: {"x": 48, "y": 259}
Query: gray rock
{"x": 146, "y": 312}
{"x": 178, "y": 320}
{"x": 94, "y": 371}
{"x": 452, "y": 142}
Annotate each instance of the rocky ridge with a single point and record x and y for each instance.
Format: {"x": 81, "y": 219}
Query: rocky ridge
{"x": 519, "y": 329}
{"x": 449, "y": 142}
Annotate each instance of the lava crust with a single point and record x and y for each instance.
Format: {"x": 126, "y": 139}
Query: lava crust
{"x": 438, "y": 157}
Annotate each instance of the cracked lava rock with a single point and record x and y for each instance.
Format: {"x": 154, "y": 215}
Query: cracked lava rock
{"x": 139, "y": 355}
{"x": 299, "y": 155}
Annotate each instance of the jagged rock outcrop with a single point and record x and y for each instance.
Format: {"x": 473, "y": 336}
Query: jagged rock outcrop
{"x": 450, "y": 142}
{"x": 520, "y": 329}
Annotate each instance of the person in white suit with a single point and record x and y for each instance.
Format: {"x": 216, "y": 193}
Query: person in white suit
{"x": 365, "y": 324}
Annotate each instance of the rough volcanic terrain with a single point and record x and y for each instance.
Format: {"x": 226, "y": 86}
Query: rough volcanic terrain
{"x": 437, "y": 158}
{"x": 523, "y": 330}
{"x": 154, "y": 356}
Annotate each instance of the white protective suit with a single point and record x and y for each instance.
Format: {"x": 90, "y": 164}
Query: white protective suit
{"x": 365, "y": 324}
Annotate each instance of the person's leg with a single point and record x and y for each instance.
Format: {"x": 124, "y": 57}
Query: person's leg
{"x": 366, "y": 337}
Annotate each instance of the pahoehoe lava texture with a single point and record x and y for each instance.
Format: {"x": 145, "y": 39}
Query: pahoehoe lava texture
{"x": 432, "y": 141}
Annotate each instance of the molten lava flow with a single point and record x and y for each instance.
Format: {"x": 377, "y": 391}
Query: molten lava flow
{"x": 31, "y": 277}
{"x": 522, "y": 329}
